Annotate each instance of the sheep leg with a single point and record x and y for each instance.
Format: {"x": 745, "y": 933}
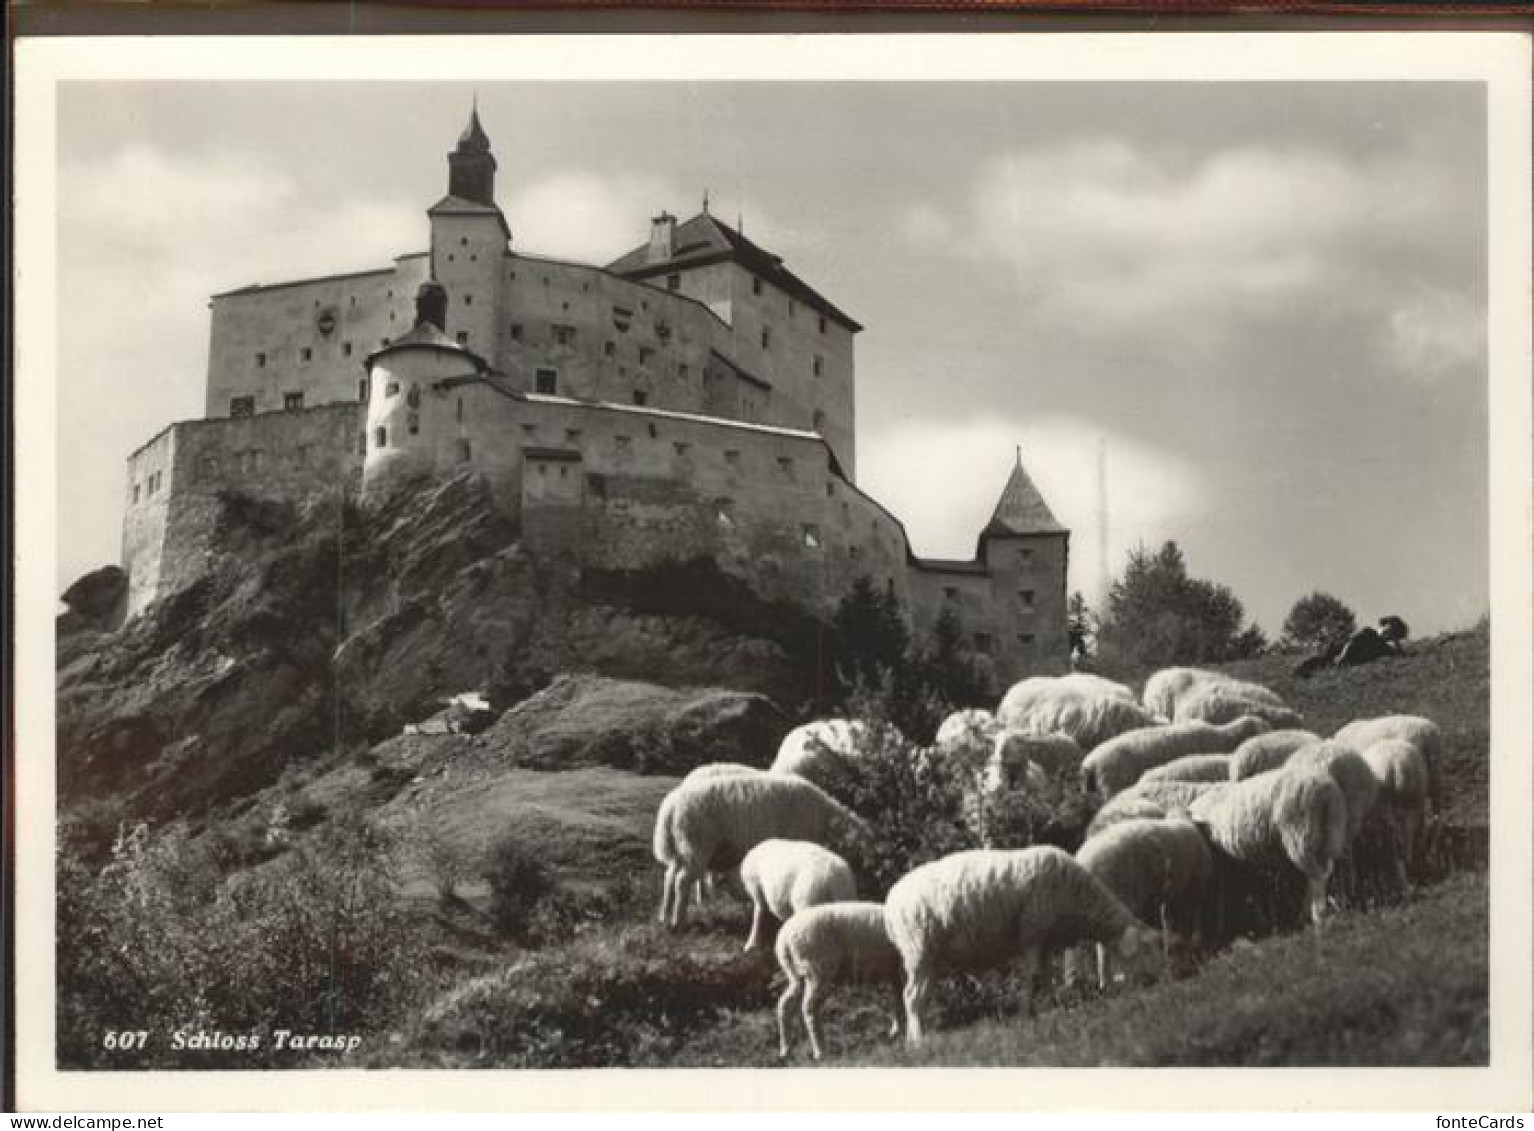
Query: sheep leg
{"x": 758, "y": 925}
{"x": 917, "y": 987}
{"x": 811, "y": 1010}
{"x": 1315, "y": 893}
{"x": 894, "y": 1032}
{"x": 665, "y": 893}
{"x": 1030, "y": 970}
{"x": 784, "y": 1004}
{"x": 685, "y": 880}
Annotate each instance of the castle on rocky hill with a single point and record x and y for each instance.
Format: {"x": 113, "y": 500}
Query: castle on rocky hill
{"x": 692, "y": 398}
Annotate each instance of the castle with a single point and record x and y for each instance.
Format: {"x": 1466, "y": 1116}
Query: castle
{"x": 692, "y": 398}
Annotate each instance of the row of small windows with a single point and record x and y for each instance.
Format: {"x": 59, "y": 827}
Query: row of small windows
{"x": 756, "y": 289}
{"x": 305, "y": 354}
{"x": 984, "y": 641}
{"x": 1024, "y": 596}
{"x": 149, "y": 487}
{"x": 246, "y": 406}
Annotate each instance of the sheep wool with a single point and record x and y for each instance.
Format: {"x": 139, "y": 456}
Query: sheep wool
{"x": 1296, "y": 817}
{"x": 1159, "y": 869}
{"x": 1192, "y": 767}
{"x": 832, "y": 944}
{"x": 821, "y": 752}
{"x": 1088, "y": 720}
{"x": 785, "y": 876}
{"x": 663, "y": 817}
{"x": 973, "y": 911}
{"x": 1420, "y": 732}
{"x": 1265, "y": 752}
{"x": 709, "y": 825}
{"x": 1403, "y": 806}
{"x": 1227, "y": 701}
{"x": 1349, "y": 770}
{"x": 1058, "y": 755}
{"x": 1118, "y": 763}
{"x": 1166, "y": 687}
{"x": 1127, "y": 806}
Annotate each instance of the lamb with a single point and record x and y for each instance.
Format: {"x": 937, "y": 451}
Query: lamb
{"x": 1227, "y": 701}
{"x": 1403, "y": 806}
{"x": 1118, "y": 763}
{"x": 1294, "y": 816}
{"x": 1420, "y": 732}
{"x": 1192, "y": 767}
{"x": 1087, "y": 719}
{"x": 785, "y": 876}
{"x": 1349, "y": 770}
{"x": 709, "y": 825}
{"x": 825, "y": 946}
{"x": 1160, "y": 869}
{"x": 821, "y": 752}
{"x": 1269, "y": 751}
{"x": 976, "y": 910}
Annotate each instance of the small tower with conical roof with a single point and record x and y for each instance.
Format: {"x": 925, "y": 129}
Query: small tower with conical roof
{"x": 470, "y": 242}
{"x": 1026, "y": 550}
{"x": 471, "y": 165}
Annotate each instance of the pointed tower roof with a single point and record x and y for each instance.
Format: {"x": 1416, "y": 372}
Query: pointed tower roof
{"x": 474, "y": 136}
{"x": 1021, "y": 509}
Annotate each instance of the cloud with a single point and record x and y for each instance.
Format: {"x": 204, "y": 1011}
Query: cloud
{"x": 581, "y": 216}
{"x": 943, "y": 480}
{"x": 1129, "y": 240}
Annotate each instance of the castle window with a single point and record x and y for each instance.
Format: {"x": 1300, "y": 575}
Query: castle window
{"x": 682, "y": 447}
{"x": 766, "y": 337}
{"x": 383, "y": 341}
{"x": 391, "y": 389}
{"x": 564, "y": 335}
{"x": 391, "y": 316}
{"x": 756, "y": 285}
{"x": 460, "y": 410}
{"x": 820, "y": 365}
{"x": 463, "y": 241}
{"x": 1025, "y": 639}
{"x": 673, "y": 282}
{"x": 463, "y": 337}
{"x": 463, "y": 451}
{"x": 822, "y": 323}
{"x": 609, "y": 349}
{"x": 529, "y": 429}
{"x": 654, "y": 433}
{"x": 983, "y": 642}
{"x": 362, "y": 389}
{"x": 622, "y": 319}
{"x": 623, "y": 443}
{"x": 292, "y": 401}
{"x": 572, "y": 435}
{"x": 135, "y": 493}
{"x": 1025, "y": 555}
{"x": 352, "y": 299}
{"x": 732, "y": 457}
{"x": 346, "y": 349}
{"x": 260, "y": 361}
{"x": 830, "y": 489}
{"x": 380, "y": 437}
{"x": 242, "y": 406}
{"x": 547, "y": 380}
{"x": 413, "y": 420}
{"x": 516, "y": 331}
{"x": 1026, "y": 597}
{"x": 855, "y": 552}
{"x": 641, "y": 397}
{"x": 645, "y": 354}
{"x": 786, "y": 465}
{"x": 450, "y": 258}
{"x": 683, "y": 372}
{"x": 951, "y": 592}
{"x": 811, "y": 536}
{"x": 468, "y": 300}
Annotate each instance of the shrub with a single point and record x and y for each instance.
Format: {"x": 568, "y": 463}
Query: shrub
{"x": 518, "y": 882}
{"x": 1318, "y": 623}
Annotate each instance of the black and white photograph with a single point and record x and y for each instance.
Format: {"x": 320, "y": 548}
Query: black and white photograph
{"x": 800, "y": 554}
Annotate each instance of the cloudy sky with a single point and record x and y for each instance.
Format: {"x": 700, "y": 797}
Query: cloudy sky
{"x": 1265, "y": 301}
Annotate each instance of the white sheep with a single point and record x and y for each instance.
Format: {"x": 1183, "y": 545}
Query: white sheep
{"x": 1087, "y": 719}
{"x": 1118, "y": 763}
{"x": 705, "y": 886}
{"x": 1349, "y": 770}
{"x": 1028, "y": 691}
{"x": 1265, "y": 752}
{"x": 1166, "y": 687}
{"x": 1420, "y": 732}
{"x": 1192, "y": 767}
{"x": 1403, "y": 806}
{"x": 709, "y": 825}
{"x": 785, "y": 876}
{"x": 1160, "y": 869}
{"x": 829, "y": 945}
{"x": 1149, "y": 799}
{"x": 1125, "y": 807}
{"x": 822, "y": 752}
{"x": 1058, "y": 755}
{"x": 1226, "y": 701}
{"x": 976, "y": 910}
{"x": 1295, "y": 817}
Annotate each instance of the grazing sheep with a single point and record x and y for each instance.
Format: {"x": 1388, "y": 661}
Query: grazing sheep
{"x": 1349, "y": 770}
{"x": 1160, "y": 869}
{"x": 1265, "y": 752}
{"x": 785, "y": 876}
{"x": 709, "y": 825}
{"x": 1058, "y": 755}
{"x": 1118, "y": 763}
{"x": 1420, "y": 732}
{"x": 1127, "y": 806}
{"x": 1166, "y": 687}
{"x": 1291, "y": 817}
{"x": 821, "y": 752}
{"x": 1227, "y": 701}
{"x": 1403, "y": 805}
{"x": 973, "y": 911}
{"x": 705, "y": 886}
{"x": 1149, "y": 799}
{"x": 825, "y": 946}
{"x": 1089, "y": 720}
{"x": 1192, "y": 767}
{"x": 1026, "y": 692}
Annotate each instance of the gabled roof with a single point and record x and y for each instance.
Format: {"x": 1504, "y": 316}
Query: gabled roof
{"x": 704, "y": 240}
{"x": 1021, "y": 509}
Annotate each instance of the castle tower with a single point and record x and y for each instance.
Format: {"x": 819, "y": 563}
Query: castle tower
{"x": 469, "y": 242}
{"x": 410, "y": 429}
{"x": 1025, "y": 551}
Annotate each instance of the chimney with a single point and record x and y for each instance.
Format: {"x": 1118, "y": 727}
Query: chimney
{"x": 662, "y": 238}
{"x": 431, "y": 304}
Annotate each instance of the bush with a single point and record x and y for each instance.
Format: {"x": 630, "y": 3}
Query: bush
{"x": 518, "y": 883}
{"x": 1318, "y": 623}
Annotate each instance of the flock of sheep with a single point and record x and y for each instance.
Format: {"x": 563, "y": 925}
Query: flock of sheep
{"x": 1205, "y": 783}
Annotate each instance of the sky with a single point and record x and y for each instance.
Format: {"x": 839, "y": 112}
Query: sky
{"x": 1264, "y": 304}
